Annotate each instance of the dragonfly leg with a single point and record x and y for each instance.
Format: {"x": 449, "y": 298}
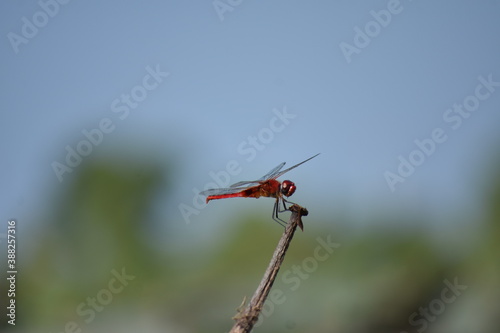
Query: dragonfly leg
{"x": 275, "y": 214}
{"x": 283, "y": 200}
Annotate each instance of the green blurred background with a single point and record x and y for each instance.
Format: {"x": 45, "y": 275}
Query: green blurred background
{"x": 372, "y": 281}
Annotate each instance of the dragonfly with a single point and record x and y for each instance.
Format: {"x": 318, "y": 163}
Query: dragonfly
{"x": 266, "y": 186}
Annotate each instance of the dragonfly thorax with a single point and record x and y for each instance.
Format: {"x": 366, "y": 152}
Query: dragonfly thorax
{"x": 288, "y": 188}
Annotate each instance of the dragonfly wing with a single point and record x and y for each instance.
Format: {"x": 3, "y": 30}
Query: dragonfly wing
{"x": 240, "y": 186}
{"x": 280, "y": 173}
{"x": 245, "y": 183}
{"x": 267, "y": 176}
{"x": 220, "y": 191}
{"x": 271, "y": 173}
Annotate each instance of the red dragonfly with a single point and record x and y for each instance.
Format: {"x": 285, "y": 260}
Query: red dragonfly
{"x": 267, "y": 186}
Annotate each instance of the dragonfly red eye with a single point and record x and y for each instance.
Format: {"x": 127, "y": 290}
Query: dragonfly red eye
{"x": 288, "y": 188}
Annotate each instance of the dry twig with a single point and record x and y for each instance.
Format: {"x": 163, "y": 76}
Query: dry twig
{"x": 246, "y": 319}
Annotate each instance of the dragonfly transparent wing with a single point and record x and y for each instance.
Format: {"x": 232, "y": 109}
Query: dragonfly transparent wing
{"x": 220, "y": 191}
{"x": 280, "y": 173}
{"x": 243, "y": 185}
{"x": 271, "y": 173}
{"x": 267, "y": 176}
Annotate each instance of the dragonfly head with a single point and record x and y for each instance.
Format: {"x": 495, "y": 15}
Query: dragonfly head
{"x": 288, "y": 188}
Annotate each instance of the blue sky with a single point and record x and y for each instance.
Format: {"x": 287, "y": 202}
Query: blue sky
{"x": 232, "y": 71}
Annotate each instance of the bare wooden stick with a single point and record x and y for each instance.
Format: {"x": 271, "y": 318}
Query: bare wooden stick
{"x": 246, "y": 319}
